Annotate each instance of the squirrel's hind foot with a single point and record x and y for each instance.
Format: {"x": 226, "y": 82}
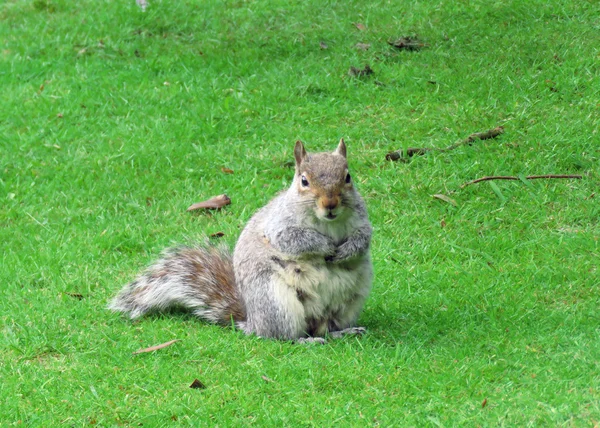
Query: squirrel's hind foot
{"x": 316, "y": 340}
{"x": 354, "y": 331}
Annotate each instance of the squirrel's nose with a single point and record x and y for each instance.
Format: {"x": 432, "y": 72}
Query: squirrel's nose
{"x": 330, "y": 203}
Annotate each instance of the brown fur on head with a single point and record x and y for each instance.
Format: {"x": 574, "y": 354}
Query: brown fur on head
{"x": 325, "y": 177}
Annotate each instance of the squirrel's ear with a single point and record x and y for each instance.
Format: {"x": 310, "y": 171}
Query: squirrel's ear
{"x": 299, "y": 152}
{"x": 341, "y": 148}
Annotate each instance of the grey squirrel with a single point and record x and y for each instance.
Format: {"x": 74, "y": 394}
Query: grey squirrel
{"x": 301, "y": 268}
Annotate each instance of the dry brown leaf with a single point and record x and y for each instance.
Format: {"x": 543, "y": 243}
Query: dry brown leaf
{"x": 407, "y": 43}
{"x": 445, "y": 199}
{"x": 196, "y": 384}
{"x": 323, "y": 45}
{"x": 360, "y": 26}
{"x": 156, "y": 348}
{"x": 484, "y": 403}
{"x": 227, "y": 170}
{"x": 211, "y": 204}
{"x": 491, "y": 133}
{"x": 217, "y": 235}
{"x": 363, "y": 46}
{"x": 267, "y": 379}
{"x": 357, "y": 72}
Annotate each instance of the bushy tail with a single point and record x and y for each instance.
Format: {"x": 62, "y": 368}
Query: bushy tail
{"x": 200, "y": 279}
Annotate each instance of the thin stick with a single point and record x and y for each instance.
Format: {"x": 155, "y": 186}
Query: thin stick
{"x": 420, "y": 151}
{"x": 491, "y": 133}
{"x": 509, "y": 177}
{"x": 156, "y": 348}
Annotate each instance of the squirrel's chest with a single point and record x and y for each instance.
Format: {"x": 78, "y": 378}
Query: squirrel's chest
{"x": 321, "y": 288}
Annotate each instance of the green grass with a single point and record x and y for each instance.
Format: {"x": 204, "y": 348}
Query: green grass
{"x": 113, "y": 121}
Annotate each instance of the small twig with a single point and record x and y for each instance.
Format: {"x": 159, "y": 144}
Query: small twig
{"x": 156, "y": 348}
{"x": 491, "y": 133}
{"x": 509, "y": 177}
{"x": 419, "y": 151}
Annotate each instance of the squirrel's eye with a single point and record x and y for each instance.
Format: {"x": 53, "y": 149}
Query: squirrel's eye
{"x": 348, "y": 178}
{"x": 304, "y": 182}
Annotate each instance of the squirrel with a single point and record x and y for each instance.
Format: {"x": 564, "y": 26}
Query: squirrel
{"x": 301, "y": 269}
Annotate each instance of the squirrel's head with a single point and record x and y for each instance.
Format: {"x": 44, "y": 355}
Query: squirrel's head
{"x": 323, "y": 178}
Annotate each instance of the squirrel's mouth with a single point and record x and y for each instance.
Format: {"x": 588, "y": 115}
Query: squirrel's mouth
{"x": 329, "y": 214}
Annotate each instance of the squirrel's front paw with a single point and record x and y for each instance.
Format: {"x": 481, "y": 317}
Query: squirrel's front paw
{"x": 330, "y": 249}
{"x": 340, "y": 255}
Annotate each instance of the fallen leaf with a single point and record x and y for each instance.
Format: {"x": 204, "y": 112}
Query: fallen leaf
{"x": 227, "y": 170}
{"x": 400, "y": 155}
{"x": 443, "y": 223}
{"x": 196, "y": 384}
{"x": 82, "y": 52}
{"x": 489, "y": 134}
{"x": 217, "y": 235}
{"x": 156, "y": 348}
{"x": 484, "y": 403}
{"x": 357, "y": 72}
{"x": 323, "y": 45}
{"x": 363, "y": 46}
{"x": 211, "y": 204}
{"x": 360, "y": 26}
{"x": 267, "y": 379}
{"x": 445, "y": 199}
{"x": 59, "y": 115}
{"x": 407, "y": 43}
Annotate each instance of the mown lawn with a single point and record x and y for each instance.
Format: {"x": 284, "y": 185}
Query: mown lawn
{"x": 485, "y": 309}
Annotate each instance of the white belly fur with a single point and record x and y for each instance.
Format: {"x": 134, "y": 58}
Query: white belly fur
{"x": 326, "y": 288}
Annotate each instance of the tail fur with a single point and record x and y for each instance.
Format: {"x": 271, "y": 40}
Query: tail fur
{"x": 199, "y": 279}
